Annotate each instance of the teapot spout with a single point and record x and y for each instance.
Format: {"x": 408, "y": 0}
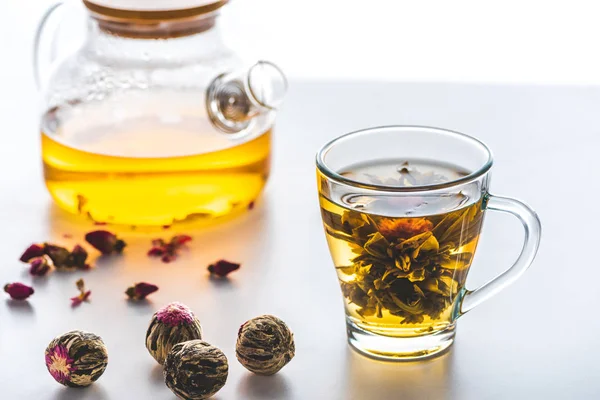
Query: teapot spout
{"x": 234, "y": 99}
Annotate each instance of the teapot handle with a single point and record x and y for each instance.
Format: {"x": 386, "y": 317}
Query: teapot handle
{"x": 37, "y": 73}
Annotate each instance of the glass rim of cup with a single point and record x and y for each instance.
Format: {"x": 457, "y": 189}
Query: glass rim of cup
{"x": 334, "y": 176}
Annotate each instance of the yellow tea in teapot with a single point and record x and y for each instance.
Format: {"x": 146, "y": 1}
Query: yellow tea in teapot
{"x": 161, "y": 162}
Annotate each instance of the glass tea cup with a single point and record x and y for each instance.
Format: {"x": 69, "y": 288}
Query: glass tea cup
{"x": 402, "y": 208}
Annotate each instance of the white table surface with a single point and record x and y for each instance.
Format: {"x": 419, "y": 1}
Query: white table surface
{"x": 537, "y": 339}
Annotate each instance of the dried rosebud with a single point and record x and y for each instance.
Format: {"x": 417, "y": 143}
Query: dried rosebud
{"x": 141, "y": 290}
{"x": 33, "y": 251}
{"x": 223, "y": 268}
{"x": 105, "y": 242}
{"x": 59, "y": 255}
{"x": 76, "y": 359}
{"x": 40, "y": 266}
{"x": 195, "y": 370}
{"x": 78, "y": 257}
{"x": 83, "y": 294}
{"x": 265, "y": 344}
{"x": 18, "y": 291}
{"x": 172, "y": 324}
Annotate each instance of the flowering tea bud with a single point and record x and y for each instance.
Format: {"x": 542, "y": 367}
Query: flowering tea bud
{"x": 172, "y": 324}
{"x": 265, "y": 344}
{"x": 76, "y": 359}
{"x": 195, "y": 370}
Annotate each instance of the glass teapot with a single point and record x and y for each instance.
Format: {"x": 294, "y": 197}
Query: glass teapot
{"x": 152, "y": 120}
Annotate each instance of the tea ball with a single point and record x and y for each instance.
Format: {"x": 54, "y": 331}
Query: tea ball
{"x": 265, "y": 344}
{"x": 195, "y": 370}
{"x": 172, "y": 324}
{"x": 76, "y": 359}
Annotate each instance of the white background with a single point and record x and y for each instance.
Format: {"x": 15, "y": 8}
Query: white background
{"x": 538, "y": 339}
{"x": 533, "y": 41}
{"x": 509, "y": 41}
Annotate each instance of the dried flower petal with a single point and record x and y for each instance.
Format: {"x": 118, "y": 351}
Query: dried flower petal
{"x": 18, "y": 291}
{"x": 40, "y": 266}
{"x": 180, "y": 240}
{"x": 156, "y": 252}
{"x": 105, "y": 242}
{"x": 59, "y": 255}
{"x": 223, "y": 268}
{"x": 75, "y": 301}
{"x": 83, "y": 294}
{"x": 167, "y": 251}
{"x": 33, "y": 251}
{"x": 140, "y": 290}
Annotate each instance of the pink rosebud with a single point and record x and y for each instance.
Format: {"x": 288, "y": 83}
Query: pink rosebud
{"x": 105, "y": 242}
{"x": 33, "y": 251}
{"x": 141, "y": 290}
{"x": 223, "y": 268}
{"x": 18, "y": 291}
{"x": 39, "y": 266}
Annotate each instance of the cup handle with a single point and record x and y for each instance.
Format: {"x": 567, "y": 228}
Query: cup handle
{"x": 533, "y": 231}
{"x": 39, "y": 33}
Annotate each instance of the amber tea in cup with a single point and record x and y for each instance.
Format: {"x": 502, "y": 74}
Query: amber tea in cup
{"x": 402, "y": 209}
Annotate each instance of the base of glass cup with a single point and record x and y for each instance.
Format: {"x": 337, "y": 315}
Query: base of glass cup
{"x": 399, "y": 348}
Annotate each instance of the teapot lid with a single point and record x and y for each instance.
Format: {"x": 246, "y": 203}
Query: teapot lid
{"x": 153, "y": 9}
